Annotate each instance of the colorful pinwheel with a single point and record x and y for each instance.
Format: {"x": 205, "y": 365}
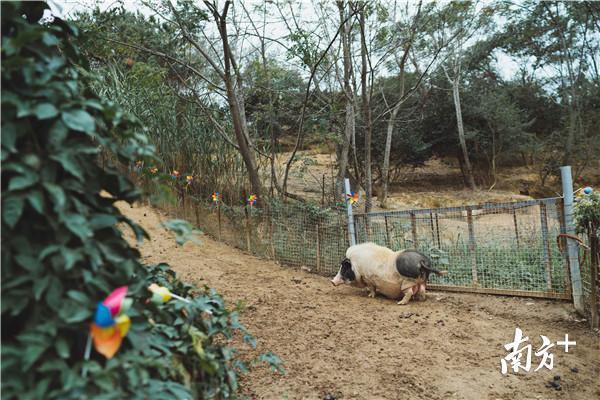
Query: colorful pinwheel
{"x": 111, "y": 324}
{"x": 583, "y": 191}
{"x": 153, "y": 170}
{"x": 175, "y": 174}
{"x": 252, "y": 199}
{"x": 189, "y": 179}
{"x": 352, "y": 197}
{"x": 139, "y": 164}
{"x": 216, "y": 197}
{"x": 161, "y": 294}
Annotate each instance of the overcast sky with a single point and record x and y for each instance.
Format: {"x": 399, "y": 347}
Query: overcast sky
{"x": 66, "y": 9}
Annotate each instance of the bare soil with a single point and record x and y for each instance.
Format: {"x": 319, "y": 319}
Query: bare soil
{"x": 336, "y": 342}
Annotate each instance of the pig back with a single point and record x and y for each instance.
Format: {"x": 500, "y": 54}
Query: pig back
{"x": 369, "y": 258}
{"x": 409, "y": 262}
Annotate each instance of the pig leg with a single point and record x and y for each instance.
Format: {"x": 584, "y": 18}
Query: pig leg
{"x": 372, "y": 291}
{"x": 422, "y": 293}
{"x": 407, "y": 295}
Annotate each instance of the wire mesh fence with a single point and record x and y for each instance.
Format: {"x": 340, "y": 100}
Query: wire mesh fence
{"x": 508, "y": 248}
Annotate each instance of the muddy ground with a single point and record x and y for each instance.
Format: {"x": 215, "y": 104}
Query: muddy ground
{"x": 336, "y": 342}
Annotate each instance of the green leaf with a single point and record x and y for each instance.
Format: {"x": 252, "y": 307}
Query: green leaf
{"x": 62, "y": 347}
{"x": 69, "y": 164}
{"x": 54, "y": 293}
{"x": 9, "y": 137}
{"x": 72, "y": 312}
{"x": 40, "y": 285}
{"x": 12, "y": 208}
{"x": 79, "y": 120}
{"x": 30, "y": 263}
{"x": 23, "y": 181}
{"x": 58, "y": 133}
{"x": 36, "y": 199}
{"x": 100, "y": 221}
{"x": 49, "y": 39}
{"x": 45, "y": 111}
{"x": 78, "y": 296}
{"x": 71, "y": 257}
{"x": 56, "y": 194}
{"x": 78, "y": 225}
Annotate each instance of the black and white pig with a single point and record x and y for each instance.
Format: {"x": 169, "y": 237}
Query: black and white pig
{"x": 395, "y": 274}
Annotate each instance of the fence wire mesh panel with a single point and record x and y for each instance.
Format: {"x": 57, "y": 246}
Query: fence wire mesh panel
{"x": 505, "y": 248}
{"x": 508, "y": 248}
{"x": 293, "y": 234}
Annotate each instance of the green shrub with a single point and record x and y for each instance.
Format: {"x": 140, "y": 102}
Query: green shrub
{"x": 587, "y": 214}
{"x": 62, "y": 250}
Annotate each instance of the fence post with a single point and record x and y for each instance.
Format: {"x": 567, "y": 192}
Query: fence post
{"x": 351, "y": 232}
{"x": 563, "y": 246}
{"x": 387, "y": 232}
{"x": 318, "y": 248}
{"x": 567, "y": 187}
{"x": 247, "y": 229}
{"x": 271, "y": 234}
{"x": 514, "y": 213}
{"x": 432, "y": 227}
{"x": 197, "y": 214}
{"x": 472, "y": 248}
{"x": 437, "y": 230}
{"x": 323, "y": 192}
{"x": 546, "y": 245}
{"x": 413, "y": 224}
{"x": 219, "y": 217}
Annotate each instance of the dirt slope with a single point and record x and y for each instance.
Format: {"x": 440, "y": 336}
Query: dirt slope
{"x": 338, "y": 342}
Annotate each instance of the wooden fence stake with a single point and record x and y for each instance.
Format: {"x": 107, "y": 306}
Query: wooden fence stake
{"x": 318, "y": 248}
{"x": 323, "y": 191}
{"x": 472, "y": 246}
{"x": 432, "y": 227}
{"x": 271, "y": 237}
{"x": 219, "y": 218}
{"x": 514, "y": 213}
{"x": 413, "y": 223}
{"x": 247, "y": 229}
{"x": 387, "y": 232}
{"x": 437, "y": 229}
{"x": 197, "y": 214}
{"x": 546, "y": 246}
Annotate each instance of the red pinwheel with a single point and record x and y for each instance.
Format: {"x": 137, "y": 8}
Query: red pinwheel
{"x": 111, "y": 324}
{"x": 352, "y": 197}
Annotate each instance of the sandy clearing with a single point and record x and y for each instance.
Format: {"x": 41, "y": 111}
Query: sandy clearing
{"x": 337, "y": 341}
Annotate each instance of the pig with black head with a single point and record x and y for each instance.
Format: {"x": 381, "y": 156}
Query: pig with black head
{"x": 395, "y": 274}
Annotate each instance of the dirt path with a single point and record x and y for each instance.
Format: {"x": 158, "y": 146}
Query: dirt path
{"x": 338, "y": 342}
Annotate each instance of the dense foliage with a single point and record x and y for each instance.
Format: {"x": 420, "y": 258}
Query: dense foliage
{"x": 62, "y": 247}
{"x": 587, "y": 214}
{"x": 166, "y": 68}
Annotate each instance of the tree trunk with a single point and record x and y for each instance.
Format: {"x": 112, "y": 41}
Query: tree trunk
{"x": 236, "y": 108}
{"x": 385, "y": 173}
{"x": 470, "y": 181}
{"x": 366, "y": 109}
{"x": 349, "y": 126}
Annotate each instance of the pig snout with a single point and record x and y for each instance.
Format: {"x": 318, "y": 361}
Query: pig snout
{"x": 337, "y": 280}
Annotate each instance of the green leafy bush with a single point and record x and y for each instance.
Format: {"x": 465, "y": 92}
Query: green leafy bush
{"x": 62, "y": 250}
{"x": 587, "y": 214}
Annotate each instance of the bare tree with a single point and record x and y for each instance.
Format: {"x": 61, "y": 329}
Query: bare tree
{"x": 350, "y": 118}
{"x": 366, "y": 94}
